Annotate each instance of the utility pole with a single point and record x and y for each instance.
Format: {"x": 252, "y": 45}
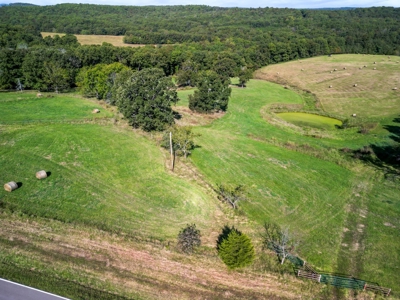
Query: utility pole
{"x": 172, "y": 151}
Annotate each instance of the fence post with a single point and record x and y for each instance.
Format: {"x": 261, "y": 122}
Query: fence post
{"x": 319, "y": 278}
{"x": 388, "y": 293}
{"x": 298, "y": 273}
{"x": 365, "y": 286}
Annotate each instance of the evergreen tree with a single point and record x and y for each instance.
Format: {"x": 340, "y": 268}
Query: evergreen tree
{"x": 236, "y": 249}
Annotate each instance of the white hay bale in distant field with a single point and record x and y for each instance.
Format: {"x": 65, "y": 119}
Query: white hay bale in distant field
{"x": 365, "y": 66}
{"x": 302, "y": 69}
{"x": 38, "y": 95}
{"x": 95, "y": 111}
{"x": 10, "y": 186}
{"x": 355, "y": 85}
{"x": 330, "y": 86}
{"x": 334, "y": 69}
{"x": 374, "y": 68}
{"x": 331, "y": 71}
{"x": 395, "y": 88}
{"x": 41, "y": 174}
{"x": 354, "y": 115}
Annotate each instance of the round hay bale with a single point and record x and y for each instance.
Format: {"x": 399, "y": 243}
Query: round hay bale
{"x": 374, "y": 68}
{"x": 365, "y": 66}
{"x": 334, "y": 69}
{"x": 39, "y": 95}
{"x": 330, "y": 86}
{"x": 374, "y": 62}
{"x": 354, "y": 115}
{"x": 331, "y": 71}
{"x": 10, "y": 186}
{"x": 95, "y": 111}
{"x": 302, "y": 69}
{"x": 355, "y": 85}
{"x": 41, "y": 174}
{"x": 395, "y": 88}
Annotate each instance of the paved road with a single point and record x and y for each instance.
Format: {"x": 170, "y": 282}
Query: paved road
{"x": 14, "y": 291}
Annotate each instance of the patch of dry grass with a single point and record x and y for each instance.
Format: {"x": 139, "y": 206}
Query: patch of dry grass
{"x": 115, "y": 40}
{"x": 373, "y": 97}
{"x": 153, "y": 271}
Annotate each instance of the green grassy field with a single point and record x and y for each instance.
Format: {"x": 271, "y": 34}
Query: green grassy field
{"x": 100, "y": 175}
{"x": 109, "y": 179}
{"x": 318, "y": 199}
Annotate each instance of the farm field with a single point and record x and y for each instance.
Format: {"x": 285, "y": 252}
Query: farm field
{"x": 111, "y": 209}
{"x": 115, "y": 40}
{"x": 376, "y": 76}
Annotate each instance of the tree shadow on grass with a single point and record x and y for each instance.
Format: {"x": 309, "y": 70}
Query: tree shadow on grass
{"x": 224, "y": 234}
{"x": 385, "y": 157}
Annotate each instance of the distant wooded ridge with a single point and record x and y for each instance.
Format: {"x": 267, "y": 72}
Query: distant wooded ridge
{"x": 376, "y": 29}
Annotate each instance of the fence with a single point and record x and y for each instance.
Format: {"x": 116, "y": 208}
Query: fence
{"x": 304, "y": 270}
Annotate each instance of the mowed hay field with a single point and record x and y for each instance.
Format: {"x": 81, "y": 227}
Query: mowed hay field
{"x": 115, "y": 40}
{"x": 376, "y": 77}
{"x": 100, "y": 174}
{"x": 111, "y": 209}
{"x": 332, "y": 203}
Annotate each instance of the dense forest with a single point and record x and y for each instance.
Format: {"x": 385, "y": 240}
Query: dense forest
{"x": 229, "y": 41}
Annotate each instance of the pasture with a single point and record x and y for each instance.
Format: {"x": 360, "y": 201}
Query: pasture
{"x": 111, "y": 206}
{"x": 374, "y": 97}
{"x": 115, "y": 40}
{"x": 100, "y": 174}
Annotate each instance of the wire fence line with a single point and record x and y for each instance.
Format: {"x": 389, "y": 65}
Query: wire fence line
{"x": 304, "y": 270}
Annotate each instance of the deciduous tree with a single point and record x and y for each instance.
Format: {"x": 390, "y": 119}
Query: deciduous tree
{"x": 145, "y": 99}
{"x": 232, "y": 194}
{"x": 189, "y": 238}
{"x": 279, "y": 240}
{"x": 212, "y": 95}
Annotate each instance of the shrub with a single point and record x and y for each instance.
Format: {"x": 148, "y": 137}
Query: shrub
{"x": 236, "y": 250}
{"x": 189, "y": 238}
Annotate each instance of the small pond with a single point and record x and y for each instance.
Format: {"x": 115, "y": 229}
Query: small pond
{"x": 310, "y": 120}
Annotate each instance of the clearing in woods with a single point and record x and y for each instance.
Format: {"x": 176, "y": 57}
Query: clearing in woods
{"x": 115, "y": 40}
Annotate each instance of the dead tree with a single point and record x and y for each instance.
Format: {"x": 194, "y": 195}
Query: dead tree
{"x": 279, "y": 240}
{"x": 232, "y": 195}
